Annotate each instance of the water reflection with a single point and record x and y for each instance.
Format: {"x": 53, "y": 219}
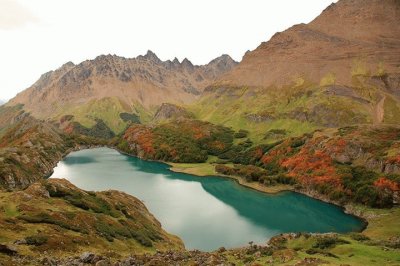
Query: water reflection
{"x": 205, "y": 212}
{"x": 70, "y": 160}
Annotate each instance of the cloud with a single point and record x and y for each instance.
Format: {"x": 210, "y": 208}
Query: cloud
{"x": 13, "y": 15}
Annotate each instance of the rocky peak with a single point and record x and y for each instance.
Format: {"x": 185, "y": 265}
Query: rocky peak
{"x": 186, "y": 64}
{"x": 67, "y": 65}
{"x": 223, "y": 63}
{"x": 223, "y": 59}
{"x": 150, "y": 56}
{"x": 176, "y": 61}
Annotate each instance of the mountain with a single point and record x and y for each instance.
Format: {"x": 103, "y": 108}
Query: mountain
{"x": 350, "y": 37}
{"x": 314, "y": 110}
{"x": 109, "y": 85}
{"x": 341, "y": 69}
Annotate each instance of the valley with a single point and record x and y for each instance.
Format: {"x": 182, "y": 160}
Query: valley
{"x": 237, "y": 217}
{"x": 289, "y": 157}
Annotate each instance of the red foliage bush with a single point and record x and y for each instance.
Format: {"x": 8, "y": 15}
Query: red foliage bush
{"x": 386, "y": 184}
{"x": 142, "y": 136}
{"x": 312, "y": 167}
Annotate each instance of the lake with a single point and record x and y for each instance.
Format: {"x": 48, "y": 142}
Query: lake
{"x": 205, "y": 212}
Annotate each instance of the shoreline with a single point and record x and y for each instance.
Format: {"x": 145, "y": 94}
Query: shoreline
{"x": 349, "y": 209}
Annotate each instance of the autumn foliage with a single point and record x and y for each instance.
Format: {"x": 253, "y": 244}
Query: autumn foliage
{"x": 179, "y": 141}
{"x": 384, "y": 183}
{"x": 312, "y": 167}
{"x": 318, "y": 162}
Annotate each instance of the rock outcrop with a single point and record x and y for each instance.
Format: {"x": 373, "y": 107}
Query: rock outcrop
{"x": 171, "y": 111}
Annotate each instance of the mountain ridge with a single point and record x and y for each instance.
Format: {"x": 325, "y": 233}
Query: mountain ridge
{"x": 105, "y": 87}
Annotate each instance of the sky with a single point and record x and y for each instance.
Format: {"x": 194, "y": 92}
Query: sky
{"x": 37, "y": 36}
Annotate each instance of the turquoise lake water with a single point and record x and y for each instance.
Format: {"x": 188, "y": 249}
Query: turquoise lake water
{"x": 205, "y": 212}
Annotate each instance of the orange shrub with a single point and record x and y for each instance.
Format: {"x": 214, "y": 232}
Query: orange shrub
{"x": 385, "y": 183}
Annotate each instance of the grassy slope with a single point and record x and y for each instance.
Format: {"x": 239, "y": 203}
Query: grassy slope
{"x": 231, "y": 106}
{"x": 108, "y": 110}
{"x": 383, "y": 225}
{"x": 72, "y": 228}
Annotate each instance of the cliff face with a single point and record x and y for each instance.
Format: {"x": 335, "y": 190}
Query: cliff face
{"x": 127, "y": 85}
{"x": 349, "y": 38}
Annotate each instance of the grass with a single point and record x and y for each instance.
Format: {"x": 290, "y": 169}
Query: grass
{"x": 280, "y": 109}
{"x": 61, "y": 227}
{"x": 349, "y": 252}
{"x": 106, "y": 109}
{"x": 382, "y": 223}
{"x": 10, "y": 210}
{"x": 199, "y": 169}
{"x": 208, "y": 169}
{"x": 391, "y": 111}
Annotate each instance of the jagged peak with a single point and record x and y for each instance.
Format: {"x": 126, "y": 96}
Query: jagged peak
{"x": 175, "y": 61}
{"x": 151, "y": 56}
{"x": 150, "y": 53}
{"x": 186, "y": 63}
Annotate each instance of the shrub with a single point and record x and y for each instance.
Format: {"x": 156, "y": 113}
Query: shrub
{"x": 297, "y": 142}
{"x": 36, "y": 240}
{"x": 127, "y": 117}
{"x": 46, "y": 218}
{"x": 313, "y": 251}
{"x": 241, "y": 134}
{"x": 326, "y": 242}
{"x": 359, "y": 237}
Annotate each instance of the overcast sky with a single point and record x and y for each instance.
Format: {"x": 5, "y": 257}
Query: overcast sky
{"x": 40, "y": 35}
